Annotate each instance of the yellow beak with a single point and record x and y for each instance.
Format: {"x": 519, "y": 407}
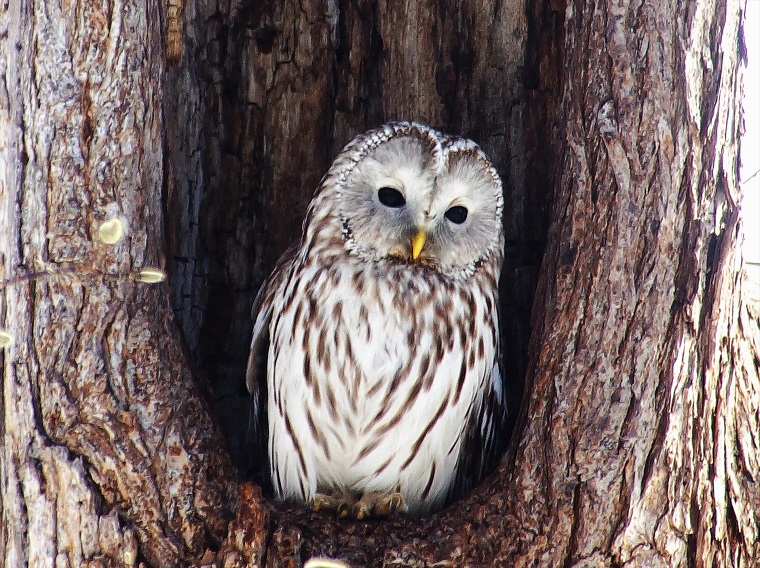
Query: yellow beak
{"x": 418, "y": 241}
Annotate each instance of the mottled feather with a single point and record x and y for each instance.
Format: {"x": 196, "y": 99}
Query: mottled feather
{"x": 374, "y": 368}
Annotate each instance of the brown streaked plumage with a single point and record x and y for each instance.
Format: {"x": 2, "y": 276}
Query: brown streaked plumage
{"x": 360, "y": 385}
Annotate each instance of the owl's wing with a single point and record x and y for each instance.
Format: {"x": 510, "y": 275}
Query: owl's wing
{"x": 485, "y": 435}
{"x": 256, "y": 374}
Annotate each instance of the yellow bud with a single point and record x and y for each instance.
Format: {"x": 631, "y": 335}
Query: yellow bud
{"x": 151, "y": 276}
{"x": 324, "y": 563}
{"x": 112, "y": 231}
{"x": 6, "y": 339}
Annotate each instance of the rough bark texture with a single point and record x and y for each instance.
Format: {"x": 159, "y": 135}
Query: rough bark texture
{"x": 106, "y": 440}
{"x": 637, "y": 441}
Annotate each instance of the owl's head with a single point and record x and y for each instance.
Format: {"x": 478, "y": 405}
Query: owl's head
{"x": 407, "y": 192}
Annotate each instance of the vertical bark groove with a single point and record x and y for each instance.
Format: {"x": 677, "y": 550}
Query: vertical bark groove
{"x": 107, "y": 441}
{"x": 623, "y": 346}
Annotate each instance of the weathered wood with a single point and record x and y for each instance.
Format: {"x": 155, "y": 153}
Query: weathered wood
{"x": 106, "y": 439}
{"x": 623, "y": 458}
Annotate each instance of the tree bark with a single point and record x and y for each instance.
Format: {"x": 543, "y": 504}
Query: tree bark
{"x": 637, "y": 440}
{"x": 109, "y": 456}
{"x": 634, "y": 448}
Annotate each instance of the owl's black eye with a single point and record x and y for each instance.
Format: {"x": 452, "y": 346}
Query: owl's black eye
{"x": 456, "y": 214}
{"x": 390, "y": 197}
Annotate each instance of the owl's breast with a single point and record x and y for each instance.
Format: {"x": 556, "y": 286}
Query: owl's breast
{"x": 377, "y": 369}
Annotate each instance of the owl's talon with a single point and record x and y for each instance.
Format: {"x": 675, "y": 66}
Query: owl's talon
{"x": 378, "y": 506}
{"x": 318, "y": 503}
{"x": 390, "y": 504}
{"x": 340, "y": 502}
{"x": 360, "y": 511}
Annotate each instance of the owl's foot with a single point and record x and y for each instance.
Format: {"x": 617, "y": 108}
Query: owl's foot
{"x": 339, "y": 501}
{"x": 378, "y": 505}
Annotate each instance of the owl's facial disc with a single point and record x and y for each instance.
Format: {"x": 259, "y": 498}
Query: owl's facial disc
{"x": 409, "y": 199}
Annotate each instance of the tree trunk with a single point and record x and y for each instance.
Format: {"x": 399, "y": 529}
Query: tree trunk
{"x": 109, "y": 456}
{"x": 637, "y": 439}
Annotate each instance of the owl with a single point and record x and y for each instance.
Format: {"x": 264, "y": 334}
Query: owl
{"x": 374, "y": 367}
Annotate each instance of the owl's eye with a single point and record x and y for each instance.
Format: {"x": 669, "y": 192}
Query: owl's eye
{"x": 390, "y": 197}
{"x": 456, "y": 214}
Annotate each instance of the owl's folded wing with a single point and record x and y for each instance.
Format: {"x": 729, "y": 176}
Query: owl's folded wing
{"x": 485, "y": 435}
{"x": 256, "y": 374}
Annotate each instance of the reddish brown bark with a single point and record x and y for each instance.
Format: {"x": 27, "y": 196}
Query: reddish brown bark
{"x": 109, "y": 456}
